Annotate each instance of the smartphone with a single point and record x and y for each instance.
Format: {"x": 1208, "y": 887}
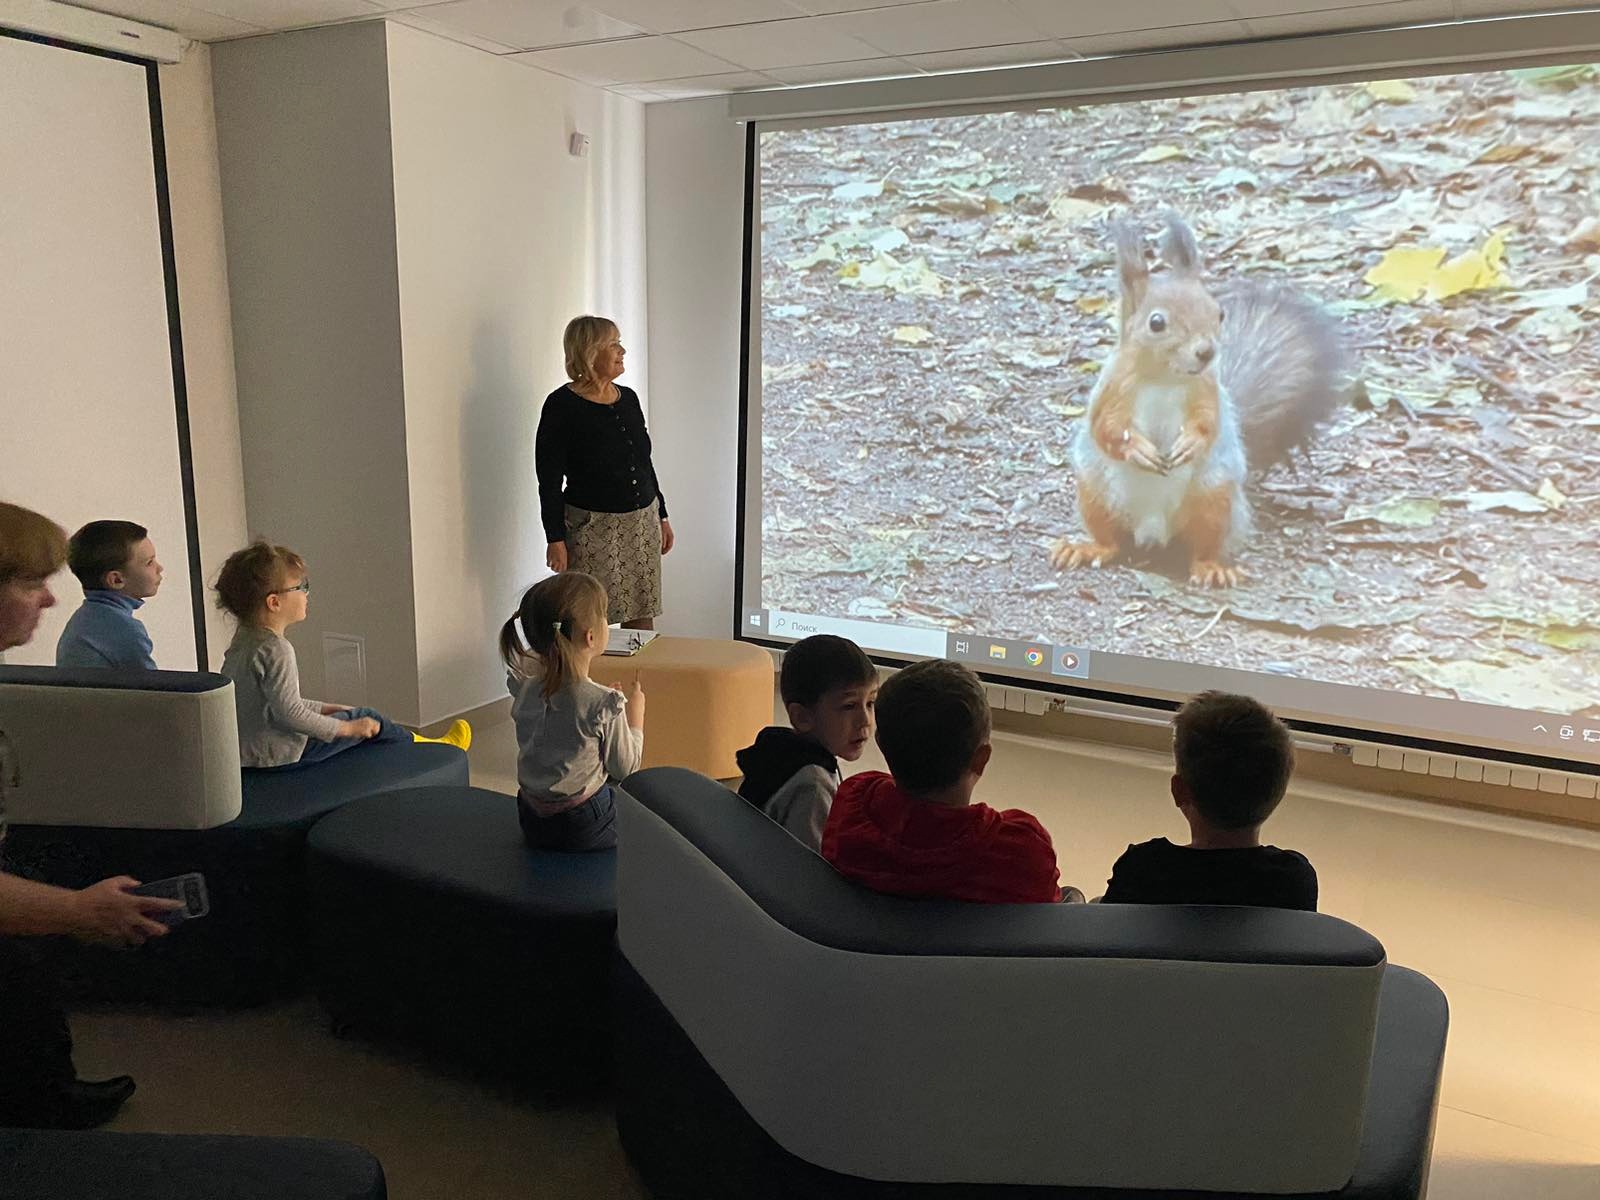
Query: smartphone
{"x": 190, "y": 888}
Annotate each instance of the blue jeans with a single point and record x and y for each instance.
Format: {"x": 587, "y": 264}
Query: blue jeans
{"x": 591, "y": 825}
{"x": 316, "y": 751}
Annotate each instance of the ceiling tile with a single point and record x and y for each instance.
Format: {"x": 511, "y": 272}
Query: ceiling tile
{"x": 527, "y": 24}
{"x": 846, "y": 72}
{"x": 675, "y": 16}
{"x": 712, "y": 85}
{"x": 420, "y": 20}
{"x": 1366, "y": 16}
{"x": 1172, "y": 38}
{"x": 190, "y": 22}
{"x": 288, "y": 14}
{"x": 632, "y": 60}
{"x": 943, "y": 25}
{"x": 1088, "y": 18}
{"x": 800, "y": 42}
{"x": 1023, "y": 53}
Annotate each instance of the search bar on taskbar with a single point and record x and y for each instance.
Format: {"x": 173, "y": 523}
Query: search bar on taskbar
{"x": 869, "y": 635}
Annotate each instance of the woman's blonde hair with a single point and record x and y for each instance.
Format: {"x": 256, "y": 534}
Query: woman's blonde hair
{"x": 554, "y": 615}
{"x": 582, "y": 342}
{"x": 250, "y": 575}
{"x": 31, "y": 546}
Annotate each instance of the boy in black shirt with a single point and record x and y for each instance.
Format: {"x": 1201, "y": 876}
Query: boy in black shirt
{"x": 1234, "y": 759}
{"x": 830, "y": 689}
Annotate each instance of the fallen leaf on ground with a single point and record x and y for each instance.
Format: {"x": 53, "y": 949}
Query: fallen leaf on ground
{"x": 1551, "y": 494}
{"x": 912, "y": 335}
{"x": 1392, "y": 91}
{"x": 1161, "y": 153}
{"x": 1406, "y": 273}
{"x": 824, "y": 253}
{"x": 1406, "y": 512}
{"x": 1508, "y": 501}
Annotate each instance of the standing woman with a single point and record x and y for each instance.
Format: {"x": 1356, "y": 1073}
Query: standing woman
{"x": 602, "y": 508}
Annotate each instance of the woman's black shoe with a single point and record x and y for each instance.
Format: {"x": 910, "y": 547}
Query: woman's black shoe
{"x": 84, "y": 1104}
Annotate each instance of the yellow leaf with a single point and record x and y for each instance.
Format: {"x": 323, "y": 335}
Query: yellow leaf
{"x": 1161, "y": 154}
{"x": 1551, "y": 494}
{"x": 849, "y": 270}
{"x": 1392, "y": 91}
{"x": 912, "y": 335}
{"x": 1471, "y": 271}
{"x": 1092, "y": 304}
{"x": 1407, "y": 273}
{"x": 1404, "y": 273}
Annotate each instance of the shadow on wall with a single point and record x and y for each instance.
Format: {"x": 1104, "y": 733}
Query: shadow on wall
{"x": 501, "y": 531}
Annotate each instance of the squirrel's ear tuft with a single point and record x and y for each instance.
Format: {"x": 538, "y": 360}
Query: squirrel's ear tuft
{"x": 1132, "y": 270}
{"x": 1179, "y": 248}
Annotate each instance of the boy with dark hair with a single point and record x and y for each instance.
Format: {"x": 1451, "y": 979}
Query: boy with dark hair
{"x": 116, "y": 563}
{"x": 829, "y": 688}
{"x": 1234, "y": 760}
{"x": 916, "y": 831}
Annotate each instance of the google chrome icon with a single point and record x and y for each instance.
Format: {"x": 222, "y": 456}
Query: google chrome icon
{"x": 1035, "y": 657}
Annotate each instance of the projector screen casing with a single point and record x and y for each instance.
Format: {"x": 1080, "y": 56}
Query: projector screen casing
{"x": 1411, "y": 53}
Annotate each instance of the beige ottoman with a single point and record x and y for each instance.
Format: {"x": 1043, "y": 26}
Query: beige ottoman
{"x": 705, "y": 699}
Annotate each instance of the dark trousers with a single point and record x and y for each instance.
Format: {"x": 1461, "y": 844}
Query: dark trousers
{"x": 591, "y": 825}
{"x": 316, "y": 751}
{"x": 35, "y": 1043}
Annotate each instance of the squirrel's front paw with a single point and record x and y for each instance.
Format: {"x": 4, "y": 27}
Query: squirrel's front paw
{"x": 1214, "y": 575}
{"x": 1066, "y": 555}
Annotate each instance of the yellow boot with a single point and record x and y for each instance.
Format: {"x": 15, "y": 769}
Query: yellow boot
{"x": 459, "y": 734}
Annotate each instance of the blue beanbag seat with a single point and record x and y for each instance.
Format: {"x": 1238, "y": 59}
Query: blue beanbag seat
{"x": 434, "y": 922}
{"x": 252, "y": 945}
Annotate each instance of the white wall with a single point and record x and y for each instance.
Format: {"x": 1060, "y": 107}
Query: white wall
{"x": 407, "y": 235}
{"x": 503, "y": 236}
{"x": 694, "y": 165}
{"x": 195, "y": 186}
{"x": 308, "y": 199}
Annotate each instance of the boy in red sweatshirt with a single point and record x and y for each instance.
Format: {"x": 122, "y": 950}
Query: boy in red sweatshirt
{"x": 917, "y": 831}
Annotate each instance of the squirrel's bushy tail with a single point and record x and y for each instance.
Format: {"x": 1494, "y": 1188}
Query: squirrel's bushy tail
{"x": 1284, "y": 366}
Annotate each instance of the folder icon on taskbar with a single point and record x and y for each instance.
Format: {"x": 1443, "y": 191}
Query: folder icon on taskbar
{"x": 997, "y": 651}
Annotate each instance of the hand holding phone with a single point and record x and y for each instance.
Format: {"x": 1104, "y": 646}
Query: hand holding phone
{"x": 188, "y": 890}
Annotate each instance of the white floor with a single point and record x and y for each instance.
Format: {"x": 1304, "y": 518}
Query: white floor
{"x": 1504, "y": 916}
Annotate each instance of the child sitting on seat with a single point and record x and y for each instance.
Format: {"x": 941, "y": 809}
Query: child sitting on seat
{"x": 574, "y": 737}
{"x": 115, "y": 561}
{"x": 916, "y": 831}
{"x": 1234, "y": 759}
{"x": 266, "y": 588}
{"x": 829, "y": 688}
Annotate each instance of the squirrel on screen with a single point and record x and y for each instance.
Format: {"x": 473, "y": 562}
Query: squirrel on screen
{"x": 1202, "y": 389}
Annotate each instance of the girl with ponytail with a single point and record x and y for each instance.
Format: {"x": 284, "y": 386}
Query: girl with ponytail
{"x": 574, "y": 737}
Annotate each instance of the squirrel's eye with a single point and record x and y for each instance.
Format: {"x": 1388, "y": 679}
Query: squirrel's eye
{"x": 1222, "y": 315}
{"x": 1158, "y": 322}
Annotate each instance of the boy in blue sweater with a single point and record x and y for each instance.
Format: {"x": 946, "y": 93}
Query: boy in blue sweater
{"x": 116, "y": 563}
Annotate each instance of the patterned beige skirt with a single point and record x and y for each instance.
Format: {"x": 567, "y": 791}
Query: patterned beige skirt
{"x": 623, "y": 551}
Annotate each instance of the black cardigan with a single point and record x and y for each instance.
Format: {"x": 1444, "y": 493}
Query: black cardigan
{"x": 593, "y": 456}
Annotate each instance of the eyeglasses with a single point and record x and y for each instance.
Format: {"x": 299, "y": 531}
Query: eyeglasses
{"x": 303, "y": 586}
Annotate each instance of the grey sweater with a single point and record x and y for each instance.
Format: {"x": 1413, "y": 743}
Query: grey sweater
{"x": 275, "y": 720}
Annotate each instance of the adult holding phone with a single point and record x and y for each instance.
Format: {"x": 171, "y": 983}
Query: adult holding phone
{"x": 599, "y": 500}
{"x": 39, "y": 1087}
